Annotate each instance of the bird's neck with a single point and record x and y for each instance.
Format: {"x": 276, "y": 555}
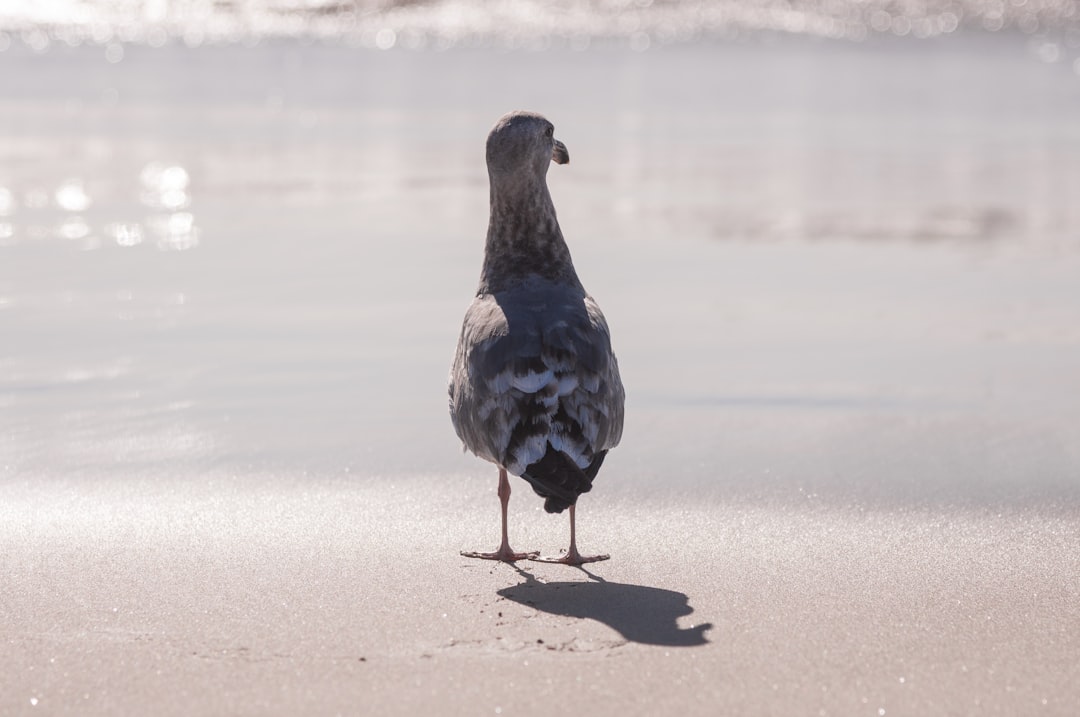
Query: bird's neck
{"x": 524, "y": 239}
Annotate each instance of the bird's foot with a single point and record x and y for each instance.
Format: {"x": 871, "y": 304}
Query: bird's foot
{"x": 504, "y": 554}
{"x": 573, "y": 557}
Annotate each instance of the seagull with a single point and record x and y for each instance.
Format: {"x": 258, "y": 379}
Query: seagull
{"x": 534, "y": 387}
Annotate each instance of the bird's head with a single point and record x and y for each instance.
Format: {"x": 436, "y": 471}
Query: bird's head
{"x": 523, "y": 141}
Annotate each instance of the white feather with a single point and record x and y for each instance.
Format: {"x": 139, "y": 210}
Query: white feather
{"x": 532, "y": 382}
{"x": 567, "y": 384}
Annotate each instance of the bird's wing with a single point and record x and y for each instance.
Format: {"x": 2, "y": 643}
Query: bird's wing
{"x": 534, "y": 368}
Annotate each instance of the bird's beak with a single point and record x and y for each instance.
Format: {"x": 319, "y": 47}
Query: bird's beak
{"x": 559, "y": 154}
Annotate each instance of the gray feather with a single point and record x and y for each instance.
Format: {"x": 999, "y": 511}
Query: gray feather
{"x": 533, "y": 366}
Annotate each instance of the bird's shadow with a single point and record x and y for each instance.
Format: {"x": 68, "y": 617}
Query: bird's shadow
{"x": 638, "y": 613}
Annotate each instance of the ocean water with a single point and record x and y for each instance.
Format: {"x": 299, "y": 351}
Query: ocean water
{"x": 523, "y": 23}
{"x": 839, "y": 263}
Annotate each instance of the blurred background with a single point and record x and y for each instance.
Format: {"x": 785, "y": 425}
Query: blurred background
{"x": 838, "y": 241}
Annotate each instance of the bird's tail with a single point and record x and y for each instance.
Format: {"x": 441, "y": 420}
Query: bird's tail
{"x": 557, "y": 478}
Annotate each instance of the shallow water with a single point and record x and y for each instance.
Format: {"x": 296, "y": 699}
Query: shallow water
{"x": 834, "y": 270}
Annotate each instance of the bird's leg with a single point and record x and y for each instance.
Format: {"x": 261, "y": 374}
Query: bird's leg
{"x": 504, "y": 553}
{"x": 572, "y": 556}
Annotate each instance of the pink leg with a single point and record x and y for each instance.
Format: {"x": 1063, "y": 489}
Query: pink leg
{"x": 572, "y": 556}
{"x": 504, "y": 553}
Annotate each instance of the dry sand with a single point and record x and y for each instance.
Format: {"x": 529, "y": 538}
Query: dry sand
{"x": 268, "y": 596}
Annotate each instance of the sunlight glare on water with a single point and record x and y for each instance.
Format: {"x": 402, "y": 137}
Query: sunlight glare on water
{"x": 72, "y": 197}
{"x": 520, "y": 24}
{"x": 175, "y": 232}
{"x": 163, "y": 190}
{"x": 125, "y": 234}
{"x": 164, "y": 187}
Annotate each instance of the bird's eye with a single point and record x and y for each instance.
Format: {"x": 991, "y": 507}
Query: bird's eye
{"x": 549, "y": 131}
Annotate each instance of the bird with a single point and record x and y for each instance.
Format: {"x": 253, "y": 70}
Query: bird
{"x": 534, "y": 386}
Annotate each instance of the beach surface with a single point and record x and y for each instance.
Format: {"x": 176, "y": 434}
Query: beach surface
{"x": 338, "y": 596}
{"x": 843, "y": 282}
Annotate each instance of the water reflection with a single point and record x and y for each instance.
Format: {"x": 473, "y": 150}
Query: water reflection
{"x": 72, "y": 197}
{"x": 73, "y": 229}
{"x": 71, "y": 214}
{"x": 164, "y": 187}
{"x": 931, "y": 223}
{"x": 125, "y": 234}
{"x": 175, "y": 232}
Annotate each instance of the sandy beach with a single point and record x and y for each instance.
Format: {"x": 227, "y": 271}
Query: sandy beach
{"x": 341, "y": 597}
{"x": 843, "y": 282}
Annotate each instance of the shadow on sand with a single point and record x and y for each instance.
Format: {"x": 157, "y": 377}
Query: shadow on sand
{"x": 640, "y": 614}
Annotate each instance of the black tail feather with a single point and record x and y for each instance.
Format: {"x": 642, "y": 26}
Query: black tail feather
{"x": 558, "y": 479}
